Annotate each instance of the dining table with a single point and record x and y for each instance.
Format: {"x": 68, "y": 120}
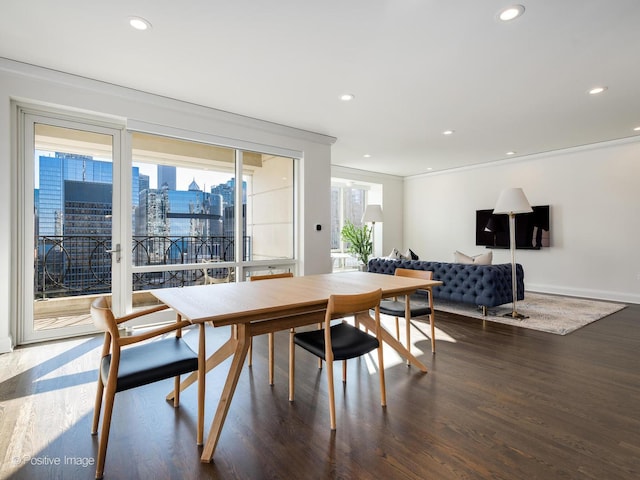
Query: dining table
{"x": 257, "y": 308}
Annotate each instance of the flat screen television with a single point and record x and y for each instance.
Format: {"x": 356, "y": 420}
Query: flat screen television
{"x": 532, "y": 229}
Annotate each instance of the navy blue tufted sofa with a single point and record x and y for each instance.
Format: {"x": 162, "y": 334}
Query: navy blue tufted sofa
{"x": 481, "y": 285}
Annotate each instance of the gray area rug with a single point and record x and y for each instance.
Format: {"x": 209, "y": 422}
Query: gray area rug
{"x": 547, "y": 313}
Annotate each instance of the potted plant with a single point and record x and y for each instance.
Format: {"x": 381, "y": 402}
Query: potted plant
{"x": 359, "y": 241}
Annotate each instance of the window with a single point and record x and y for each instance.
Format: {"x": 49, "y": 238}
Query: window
{"x": 348, "y": 202}
{"x": 192, "y": 210}
{"x": 180, "y": 213}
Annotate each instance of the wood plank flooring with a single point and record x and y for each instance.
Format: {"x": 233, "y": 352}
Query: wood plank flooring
{"x": 498, "y": 402}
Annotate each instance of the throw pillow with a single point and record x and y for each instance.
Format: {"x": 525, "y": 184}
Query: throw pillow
{"x": 411, "y": 255}
{"x": 459, "y": 257}
{"x": 395, "y": 255}
{"x": 482, "y": 259}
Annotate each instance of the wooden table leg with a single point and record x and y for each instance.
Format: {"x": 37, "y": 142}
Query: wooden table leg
{"x": 219, "y": 356}
{"x": 432, "y": 322}
{"x": 202, "y": 349}
{"x": 390, "y": 340}
{"x": 407, "y": 319}
{"x": 244, "y": 335}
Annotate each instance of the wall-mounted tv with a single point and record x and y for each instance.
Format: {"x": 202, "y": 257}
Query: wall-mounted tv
{"x": 532, "y": 229}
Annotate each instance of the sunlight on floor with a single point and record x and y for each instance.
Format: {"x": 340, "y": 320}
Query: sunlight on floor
{"x": 419, "y": 334}
{"x": 59, "y": 388}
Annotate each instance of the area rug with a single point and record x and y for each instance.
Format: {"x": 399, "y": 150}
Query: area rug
{"x": 547, "y": 313}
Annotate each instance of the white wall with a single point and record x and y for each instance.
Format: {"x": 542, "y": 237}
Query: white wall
{"x": 390, "y": 233}
{"x": 36, "y": 85}
{"x": 595, "y": 224}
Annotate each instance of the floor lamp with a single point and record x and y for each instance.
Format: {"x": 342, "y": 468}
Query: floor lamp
{"x": 372, "y": 214}
{"x": 512, "y": 201}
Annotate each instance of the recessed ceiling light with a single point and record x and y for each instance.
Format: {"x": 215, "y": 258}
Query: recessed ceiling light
{"x": 347, "y": 97}
{"x": 139, "y": 23}
{"x": 366, "y": 155}
{"x": 597, "y": 90}
{"x": 511, "y": 13}
{"x": 511, "y": 152}
{"x": 637, "y": 129}
{"x": 448, "y": 132}
{"x": 429, "y": 169}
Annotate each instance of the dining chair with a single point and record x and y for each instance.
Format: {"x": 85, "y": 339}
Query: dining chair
{"x": 343, "y": 341}
{"x": 271, "y": 336}
{"x": 218, "y": 274}
{"x": 409, "y": 308}
{"x": 125, "y": 365}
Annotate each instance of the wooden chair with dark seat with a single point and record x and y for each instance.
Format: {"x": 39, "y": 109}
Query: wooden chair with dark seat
{"x": 409, "y": 308}
{"x": 124, "y": 365}
{"x": 343, "y": 341}
{"x": 270, "y": 335}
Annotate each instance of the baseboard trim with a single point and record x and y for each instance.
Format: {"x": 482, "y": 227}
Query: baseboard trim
{"x": 585, "y": 293}
{"x": 6, "y": 344}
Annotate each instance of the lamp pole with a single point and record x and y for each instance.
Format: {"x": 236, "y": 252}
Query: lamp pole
{"x": 372, "y": 214}
{"x": 512, "y": 201}
{"x": 514, "y": 281}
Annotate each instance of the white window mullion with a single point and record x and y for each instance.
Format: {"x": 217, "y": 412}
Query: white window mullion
{"x": 122, "y": 212}
{"x": 239, "y": 232}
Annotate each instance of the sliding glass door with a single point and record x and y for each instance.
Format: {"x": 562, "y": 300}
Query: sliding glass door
{"x": 103, "y": 211}
{"x": 69, "y": 224}
{"x": 207, "y": 214}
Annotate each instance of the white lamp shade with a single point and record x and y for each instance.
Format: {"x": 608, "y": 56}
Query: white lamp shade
{"x": 372, "y": 214}
{"x": 512, "y": 200}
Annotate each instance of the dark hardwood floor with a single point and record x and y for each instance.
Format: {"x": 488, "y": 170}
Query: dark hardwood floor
{"x": 498, "y": 402}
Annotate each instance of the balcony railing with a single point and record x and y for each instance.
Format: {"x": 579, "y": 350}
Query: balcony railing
{"x": 70, "y": 265}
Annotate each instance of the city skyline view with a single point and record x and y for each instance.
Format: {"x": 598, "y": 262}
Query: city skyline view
{"x": 175, "y": 224}
{"x": 184, "y": 176}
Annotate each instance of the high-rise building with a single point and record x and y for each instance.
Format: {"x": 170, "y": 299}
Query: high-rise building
{"x": 87, "y": 229}
{"x": 54, "y": 171}
{"x": 227, "y": 192}
{"x": 143, "y": 183}
{"x": 73, "y": 213}
{"x": 167, "y": 175}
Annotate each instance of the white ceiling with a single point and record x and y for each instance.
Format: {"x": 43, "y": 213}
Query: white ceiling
{"x": 416, "y": 68}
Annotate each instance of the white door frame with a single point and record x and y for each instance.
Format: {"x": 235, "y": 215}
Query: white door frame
{"x": 28, "y": 116}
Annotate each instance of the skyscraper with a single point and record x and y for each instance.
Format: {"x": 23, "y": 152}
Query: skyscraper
{"x": 54, "y": 171}
{"x": 73, "y": 207}
{"x": 167, "y": 175}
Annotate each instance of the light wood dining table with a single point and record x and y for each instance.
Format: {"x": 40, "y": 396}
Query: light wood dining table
{"x": 256, "y": 308}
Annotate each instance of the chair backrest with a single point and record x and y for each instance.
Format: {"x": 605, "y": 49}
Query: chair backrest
{"x": 348, "y": 304}
{"x": 407, "y": 272}
{"x": 270, "y": 275}
{"x": 215, "y": 278}
{"x": 103, "y": 316}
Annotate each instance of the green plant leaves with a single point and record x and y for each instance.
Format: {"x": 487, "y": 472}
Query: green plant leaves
{"x": 359, "y": 240}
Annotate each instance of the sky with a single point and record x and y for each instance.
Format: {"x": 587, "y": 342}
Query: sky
{"x": 184, "y": 176}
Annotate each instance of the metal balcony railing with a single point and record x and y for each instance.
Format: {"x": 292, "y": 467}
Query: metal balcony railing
{"x": 71, "y": 265}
